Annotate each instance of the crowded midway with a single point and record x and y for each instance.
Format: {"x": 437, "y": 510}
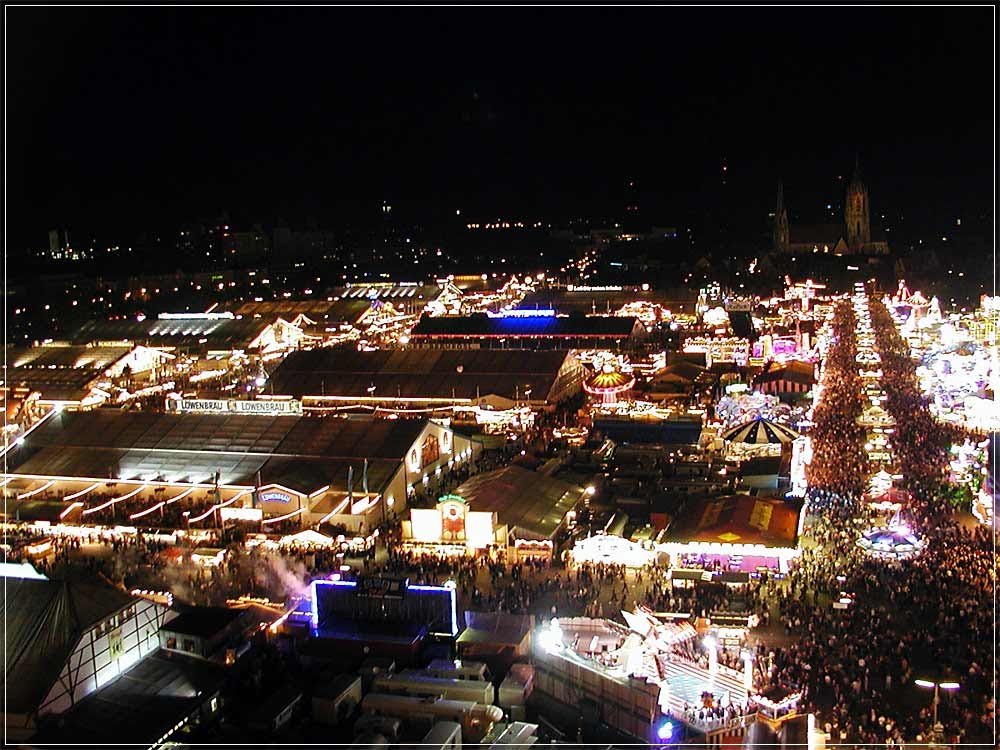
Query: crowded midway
{"x": 844, "y": 600}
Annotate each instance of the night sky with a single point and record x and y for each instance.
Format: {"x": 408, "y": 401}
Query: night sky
{"x": 123, "y": 119}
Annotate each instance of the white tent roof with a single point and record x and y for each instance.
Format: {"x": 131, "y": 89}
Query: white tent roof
{"x": 760, "y": 431}
{"x": 307, "y": 537}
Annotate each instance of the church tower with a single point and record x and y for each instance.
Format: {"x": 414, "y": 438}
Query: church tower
{"x": 780, "y": 223}
{"x": 856, "y": 215}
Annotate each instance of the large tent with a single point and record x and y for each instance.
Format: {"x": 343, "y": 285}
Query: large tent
{"x": 66, "y": 638}
{"x": 760, "y": 431}
{"x": 532, "y": 505}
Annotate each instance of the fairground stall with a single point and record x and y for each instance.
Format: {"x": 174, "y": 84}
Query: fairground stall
{"x": 452, "y": 527}
{"x": 734, "y": 533}
{"x": 730, "y": 534}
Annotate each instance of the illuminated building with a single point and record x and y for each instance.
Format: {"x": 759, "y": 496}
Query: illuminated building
{"x": 788, "y": 380}
{"x": 420, "y": 380}
{"x": 725, "y": 349}
{"x": 67, "y": 640}
{"x": 526, "y": 329}
{"x": 530, "y": 508}
{"x": 649, "y": 305}
{"x": 983, "y": 324}
{"x": 646, "y": 423}
{"x": 381, "y": 615}
{"x": 197, "y": 333}
{"x": 749, "y": 530}
{"x": 452, "y": 527}
{"x": 803, "y": 291}
{"x": 852, "y": 236}
{"x": 270, "y": 468}
{"x": 77, "y": 377}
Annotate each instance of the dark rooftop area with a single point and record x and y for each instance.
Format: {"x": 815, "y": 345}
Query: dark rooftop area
{"x": 203, "y": 621}
{"x": 532, "y": 325}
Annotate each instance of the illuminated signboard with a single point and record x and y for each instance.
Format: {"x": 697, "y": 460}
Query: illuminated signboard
{"x": 275, "y": 496}
{"x": 232, "y": 406}
{"x": 378, "y": 587}
{"x": 453, "y": 510}
{"x": 801, "y": 457}
{"x": 524, "y": 314}
{"x": 197, "y": 315}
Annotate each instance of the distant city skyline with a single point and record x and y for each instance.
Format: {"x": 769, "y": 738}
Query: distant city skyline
{"x": 124, "y": 119}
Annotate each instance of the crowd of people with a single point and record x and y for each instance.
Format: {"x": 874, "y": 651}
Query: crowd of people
{"x": 924, "y": 618}
{"x": 839, "y": 463}
{"x": 920, "y": 442}
{"x": 857, "y": 664}
{"x": 717, "y": 716}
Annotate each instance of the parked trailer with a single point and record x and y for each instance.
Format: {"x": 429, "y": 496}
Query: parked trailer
{"x": 411, "y": 682}
{"x": 476, "y": 718}
{"x": 444, "y": 735}
{"x": 458, "y": 669}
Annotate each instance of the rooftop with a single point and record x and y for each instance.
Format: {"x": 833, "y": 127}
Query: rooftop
{"x": 54, "y": 355}
{"x": 529, "y": 325}
{"x": 43, "y": 621}
{"x": 203, "y": 621}
{"x": 738, "y": 519}
{"x": 532, "y": 502}
{"x": 300, "y": 453}
{"x": 601, "y": 300}
{"x": 141, "y": 706}
{"x": 794, "y": 371}
{"x": 417, "y": 373}
{"x": 218, "y": 332}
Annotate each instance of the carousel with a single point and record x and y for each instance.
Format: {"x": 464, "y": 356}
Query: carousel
{"x": 610, "y": 385}
{"x": 896, "y": 542}
{"x": 758, "y": 437}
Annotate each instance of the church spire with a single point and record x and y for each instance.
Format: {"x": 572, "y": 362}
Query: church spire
{"x": 780, "y": 226}
{"x": 856, "y": 211}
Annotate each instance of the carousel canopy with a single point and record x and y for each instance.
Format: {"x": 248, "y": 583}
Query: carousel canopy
{"x": 609, "y": 380}
{"x": 896, "y": 542}
{"x": 760, "y": 431}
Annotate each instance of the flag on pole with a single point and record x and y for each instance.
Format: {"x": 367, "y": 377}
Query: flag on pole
{"x": 364, "y": 479}
{"x": 350, "y": 486}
